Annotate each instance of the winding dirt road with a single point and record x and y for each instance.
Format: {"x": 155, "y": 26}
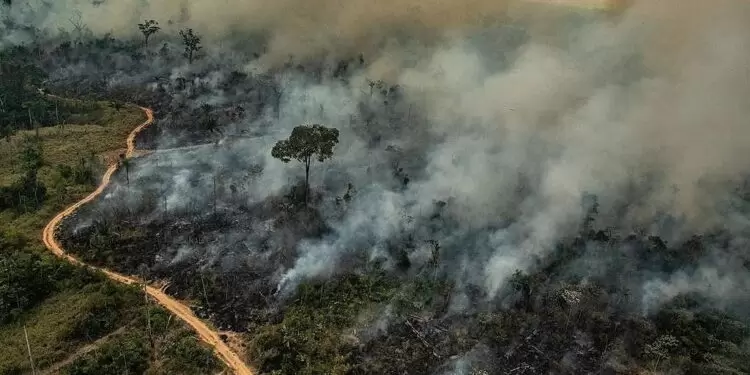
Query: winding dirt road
{"x": 206, "y": 334}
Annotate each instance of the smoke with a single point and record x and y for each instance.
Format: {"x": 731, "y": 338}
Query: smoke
{"x": 316, "y": 29}
{"x": 721, "y": 283}
{"x": 471, "y": 363}
{"x": 506, "y": 112}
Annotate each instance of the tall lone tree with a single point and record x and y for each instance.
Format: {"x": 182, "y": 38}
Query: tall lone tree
{"x": 32, "y": 160}
{"x": 125, "y": 162}
{"x": 148, "y": 28}
{"x": 192, "y": 43}
{"x": 305, "y": 143}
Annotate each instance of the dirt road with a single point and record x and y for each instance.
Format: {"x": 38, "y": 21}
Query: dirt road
{"x": 206, "y": 334}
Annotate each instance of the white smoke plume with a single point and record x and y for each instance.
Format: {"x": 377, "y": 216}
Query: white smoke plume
{"x": 511, "y": 112}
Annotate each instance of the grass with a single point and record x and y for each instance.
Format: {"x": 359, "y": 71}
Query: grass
{"x": 77, "y": 309}
{"x": 175, "y": 350}
{"x": 52, "y": 326}
{"x": 105, "y": 130}
{"x": 65, "y": 145}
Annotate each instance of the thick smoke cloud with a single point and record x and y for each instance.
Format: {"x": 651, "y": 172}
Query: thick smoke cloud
{"x": 510, "y": 113}
{"x": 292, "y": 27}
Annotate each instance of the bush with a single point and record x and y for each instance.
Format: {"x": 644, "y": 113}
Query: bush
{"x": 128, "y": 354}
{"x": 185, "y": 355}
{"x": 24, "y": 282}
{"x": 308, "y": 340}
{"x": 24, "y": 195}
{"x": 26, "y": 279}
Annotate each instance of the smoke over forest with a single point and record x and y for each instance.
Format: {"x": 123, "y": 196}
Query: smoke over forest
{"x": 477, "y": 138}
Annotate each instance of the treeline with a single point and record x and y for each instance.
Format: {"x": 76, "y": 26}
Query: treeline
{"x": 22, "y": 106}
{"x": 28, "y": 192}
{"x": 27, "y": 278}
{"x": 24, "y": 103}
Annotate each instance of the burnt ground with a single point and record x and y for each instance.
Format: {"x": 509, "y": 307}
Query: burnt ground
{"x": 370, "y": 319}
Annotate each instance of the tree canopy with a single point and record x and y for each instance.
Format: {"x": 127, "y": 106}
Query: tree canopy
{"x": 148, "y": 28}
{"x": 192, "y": 43}
{"x": 305, "y": 143}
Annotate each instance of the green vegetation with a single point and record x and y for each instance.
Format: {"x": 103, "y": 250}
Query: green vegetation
{"x": 703, "y": 342}
{"x": 23, "y": 103}
{"x": 76, "y": 320}
{"x": 102, "y": 329}
{"x": 32, "y": 189}
{"x": 27, "y": 192}
{"x": 305, "y": 143}
{"x": 415, "y": 318}
{"x": 20, "y": 103}
{"x": 176, "y": 351}
{"x": 67, "y": 320}
{"x": 309, "y": 338}
{"x": 320, "y": 331}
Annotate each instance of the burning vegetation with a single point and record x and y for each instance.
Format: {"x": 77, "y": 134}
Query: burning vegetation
{"x": 505, "y": 189}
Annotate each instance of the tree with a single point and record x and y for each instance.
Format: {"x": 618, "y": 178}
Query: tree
{"x": 435, "y": 259}
{"x": 207, "y": 120}
{"x": 306, "y": 142}
{"x": 148, "y": 28}
{"x": 19, "y": 97}
{"x": 590, "y": 205}
{"x": 192, "y": 43}
{"x": 31, "y": 161}
{"x": 36, "y": 110}
{"x": 117, "y": 105}
{"x": 125, "y": 162}
{"x": 31, "y": 155}
{"x": 522, "y": 283}
{"x": 5, "y": 132}
{"x": 661, "y": 349}
{"x": 78, "y": 25}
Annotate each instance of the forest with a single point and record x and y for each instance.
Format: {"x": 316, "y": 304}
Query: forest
{"x": 502, "y": 187}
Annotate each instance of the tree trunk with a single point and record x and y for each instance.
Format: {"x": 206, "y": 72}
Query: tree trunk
{"x": 214, "y": 195}
{"x": 527, "y": 298}
{"x": 307, "y": 178}
{"x": 28, "y": 348}
{"x": 205, "y": 295}
{"x": 36, "y": 190}
{"x": 148, "y": 318}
